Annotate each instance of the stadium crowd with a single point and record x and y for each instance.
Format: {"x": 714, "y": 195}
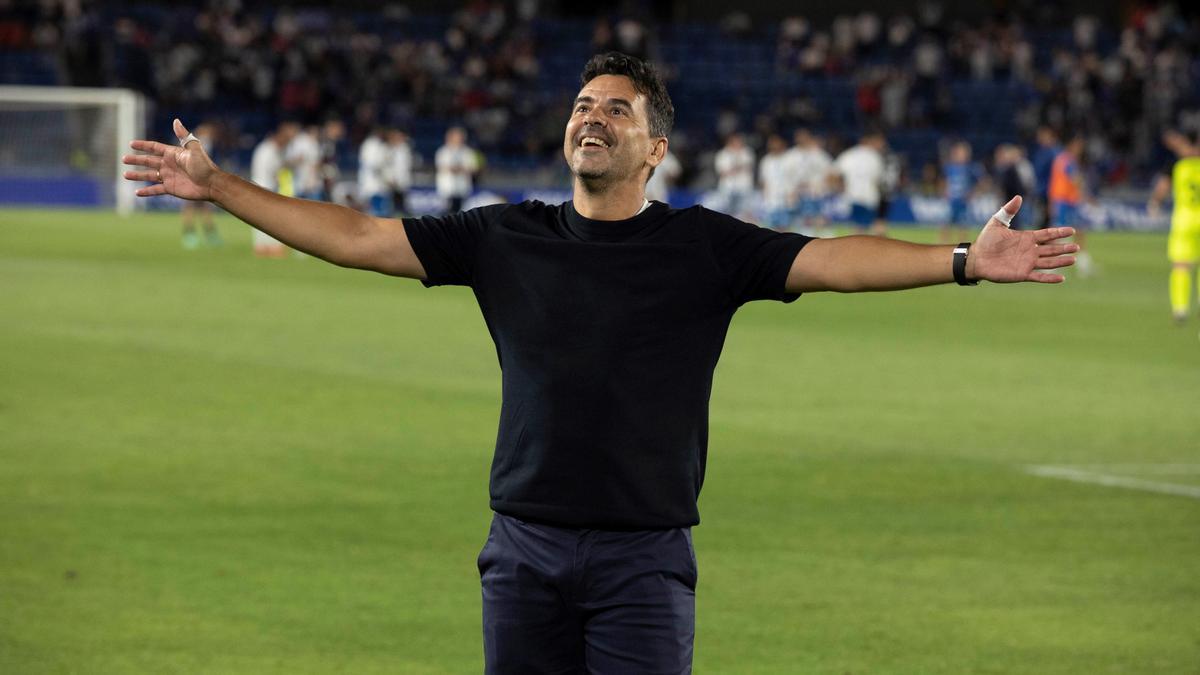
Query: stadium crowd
{"x": 493, "y": 68}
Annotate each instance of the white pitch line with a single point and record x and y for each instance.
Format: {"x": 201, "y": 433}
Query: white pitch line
{"x": 1080, "y": 476}
{"x": 1175, "y": 469}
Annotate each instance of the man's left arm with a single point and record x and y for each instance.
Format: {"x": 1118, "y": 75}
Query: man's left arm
{"x": 865, "y": 263}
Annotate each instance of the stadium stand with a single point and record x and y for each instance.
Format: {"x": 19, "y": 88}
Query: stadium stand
{"x": 506, "y": 73}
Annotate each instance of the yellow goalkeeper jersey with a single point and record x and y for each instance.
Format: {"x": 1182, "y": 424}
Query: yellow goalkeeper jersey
{"x": 1185, "y": 183}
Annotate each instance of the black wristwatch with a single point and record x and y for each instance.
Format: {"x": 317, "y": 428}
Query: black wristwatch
{"x": 960, "y": 265}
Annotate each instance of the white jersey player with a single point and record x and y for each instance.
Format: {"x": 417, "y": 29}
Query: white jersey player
{"x": 658, "y": 188}
{"x": 735, "y": 175}
{"x": 401, "y": 159}
{"x": 372, "y": 174}
{"x": 776, "y": 183}
{"x": 304, "y": 155}
{"x": 269, "y": 169}
{"x": 861, "y": 170}
{"x": 457, "y": 163}
{"x": 810, "y": 167}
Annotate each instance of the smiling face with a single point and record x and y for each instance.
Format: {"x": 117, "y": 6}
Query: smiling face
{"x": 607, "y": 138}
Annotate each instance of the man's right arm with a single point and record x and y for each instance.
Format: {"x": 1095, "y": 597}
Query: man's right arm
{"x": 335, "y": 233}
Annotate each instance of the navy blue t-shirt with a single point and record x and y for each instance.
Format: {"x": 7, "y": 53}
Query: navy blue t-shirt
{"x": 607, "y": 334}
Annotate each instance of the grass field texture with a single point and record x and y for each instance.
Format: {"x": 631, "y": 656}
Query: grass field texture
{"x": 211, "y": 463}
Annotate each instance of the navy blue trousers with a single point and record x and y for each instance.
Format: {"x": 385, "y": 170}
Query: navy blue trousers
{"x": 596, "y": 602}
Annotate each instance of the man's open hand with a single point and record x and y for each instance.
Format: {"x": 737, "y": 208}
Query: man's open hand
{"x": 1003, "y": 255}
{"x": 185, "y": 172}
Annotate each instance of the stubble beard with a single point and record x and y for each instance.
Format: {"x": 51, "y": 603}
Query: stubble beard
{"x": 598, "y": 179}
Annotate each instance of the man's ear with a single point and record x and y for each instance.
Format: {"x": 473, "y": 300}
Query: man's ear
{"x": 658, "y": 150}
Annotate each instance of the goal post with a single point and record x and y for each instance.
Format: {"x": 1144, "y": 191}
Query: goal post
{"x": 63, "y": 145}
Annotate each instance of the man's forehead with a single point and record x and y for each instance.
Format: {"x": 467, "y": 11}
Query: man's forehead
{"x": 604, "y": 87}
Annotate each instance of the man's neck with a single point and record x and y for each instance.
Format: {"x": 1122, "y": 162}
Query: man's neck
{"x": 617, "y": 202}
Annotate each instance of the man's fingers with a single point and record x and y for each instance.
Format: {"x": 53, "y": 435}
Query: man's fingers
{"x": 148, "y": 176}
{"x": 1051, "y": 233}
{"x": 1043, "y": 278}
{"x": 152, "y": 190}
{"x": 142, "y": 160}
{"x": 1054, "y": 263}
{"x": 1005, "y": 215}
{"x": 181, "y": 131}
{"x": 152, "y": 147}
{"x": 1057, "y": 249}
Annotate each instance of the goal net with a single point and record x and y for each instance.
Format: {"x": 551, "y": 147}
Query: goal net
{"x": 63, "y": 145}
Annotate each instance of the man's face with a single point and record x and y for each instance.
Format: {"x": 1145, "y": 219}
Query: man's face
{"x": 607, "y": 138}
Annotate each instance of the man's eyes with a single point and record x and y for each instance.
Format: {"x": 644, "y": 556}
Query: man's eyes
{"x": 614, "y": 111}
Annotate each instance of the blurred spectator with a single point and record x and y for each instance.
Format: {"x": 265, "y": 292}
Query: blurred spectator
{"x": 494, "y": 65}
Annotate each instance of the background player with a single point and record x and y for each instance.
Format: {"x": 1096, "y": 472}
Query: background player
{"x": 372, "y": 174}
{"x": 658, "y": 188}
{"x": 775, "y": 183}
{"x": 960, "y": 177}
{"x": 304, "y": 156}
{"x": 861, "y": 172}
{"x": 1045, "y": 150}
{"x": 735, "y": 175}
{"x": 457, "y": 163}
{"x": 203, "y": 211}
{"x": 809, "y": 166}
{"x": 1066, "y": 193}
{"x": 1183, "y": 244}
{"x": 268, "y": 168}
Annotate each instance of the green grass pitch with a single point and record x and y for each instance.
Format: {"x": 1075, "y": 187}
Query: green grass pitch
{"x": 211, "y": 463}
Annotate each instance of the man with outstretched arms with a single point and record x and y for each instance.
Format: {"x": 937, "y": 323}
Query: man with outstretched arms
{"x": 608, "y": 313}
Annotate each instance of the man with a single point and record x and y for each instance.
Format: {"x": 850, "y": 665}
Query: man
{"x": 1046, "y": 150}
{"x": 860, "y": 169}
{"x": 1183, "y": 244}
{"x": 1066, "y": 194}
{"x": 960, "y": 177}
{"x": 775, "y": 183}
{"x": 1014, "y": 176}
{"x": 332, "y": 134}
{"x": 304, "y": 156}
{"x": 400, "y": 168}
{"x": 372, "y": 174}
{"x": 809, "y": 166}
{"x": 735, "y": 175}
{"x": 191, "y": 211}
{"x": 456, "y": 164}
{"x": 269, "y": 170}
{"x": 608, "y": 313}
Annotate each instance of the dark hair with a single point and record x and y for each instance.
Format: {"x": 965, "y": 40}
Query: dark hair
{"x": 646, "y": 81}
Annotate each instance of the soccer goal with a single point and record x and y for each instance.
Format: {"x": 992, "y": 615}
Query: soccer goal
{"x": 63, "y": 145}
